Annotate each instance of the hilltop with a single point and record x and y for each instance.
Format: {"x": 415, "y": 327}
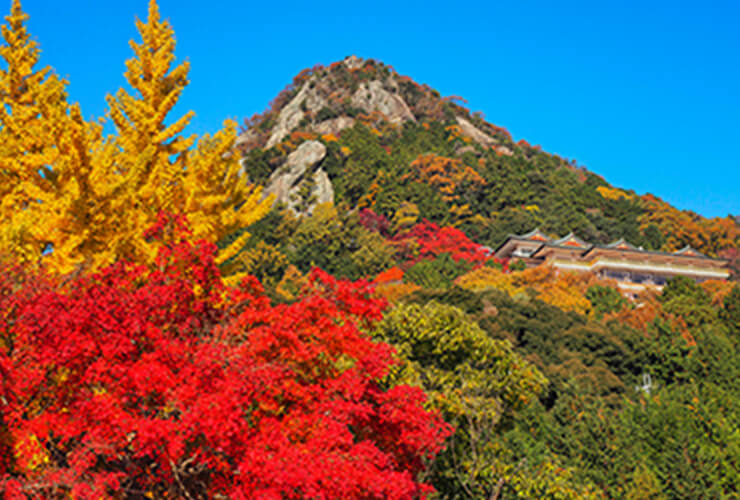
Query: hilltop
{"x": 363, "y": 136}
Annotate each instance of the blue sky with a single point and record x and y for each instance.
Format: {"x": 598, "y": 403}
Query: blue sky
{"x": 646, "y": 94}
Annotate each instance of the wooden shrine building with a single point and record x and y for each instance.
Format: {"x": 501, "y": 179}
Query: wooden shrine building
{"x": 633, "y": 268}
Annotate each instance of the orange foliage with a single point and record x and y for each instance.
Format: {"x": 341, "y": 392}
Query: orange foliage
{"x": 448, "y": 175}
{"x": 718, "y": 290}
{"x": 299, "y": 135}
{"x": 485, "y": 277}
{"x": 499, "y": 130}
{"x": 292, "y": 283}
{"x": 453, "y": 98}
{"x": 646, "y": 310}
{"x": 377, "y": 122}
{"x": 286, "y": 147}
{"x": 395, "y": 292}
{"x": 369, "y": 198}
{"x": 565, "y": 290}
{"x": 682, "y": 228}
{"x": 456, "y": 133}
{"x": 394, "y": 274}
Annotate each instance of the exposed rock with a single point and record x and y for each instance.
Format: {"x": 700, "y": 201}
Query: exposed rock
{"x": 334, "y": 125}
{"x": 323, "y": 190}
{"x": 284, "y": 178}
{"x": 308, "y": 98}
{"x": 285, "y": 183}
{"x": 482, "y": 138}
{"x": 244, "y": 137}
{"x": 503, "y": 150}
{"x": 471, "y": 131}
{"x": 466, "y": 149}
{"x": 391, "y": 85}
{"x": 371, "y": 96}
{"x": 353, "y": 62}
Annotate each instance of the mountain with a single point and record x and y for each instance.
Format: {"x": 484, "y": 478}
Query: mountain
{"x": 557, "y": 386}
{"x": 360, "y": 134}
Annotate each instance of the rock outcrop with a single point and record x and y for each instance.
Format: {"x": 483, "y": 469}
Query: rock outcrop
{"x": 471, "y": 131}
{"x": 480, "y": 137}
{"x": 353, "y": 62}
{"x": 371, "y": 96}
{"x": 286, "y": 182}
{"x": 322, "y": 92}
{"x": 333, "y": 125}
{"x": 307, "y": 99}
{"x": 323, "y": 190}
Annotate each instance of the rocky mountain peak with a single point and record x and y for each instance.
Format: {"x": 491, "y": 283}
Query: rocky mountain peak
{"x": 329, "y": 99}
{"x": 324, "y": 101}
{"x": 353, "y": 62}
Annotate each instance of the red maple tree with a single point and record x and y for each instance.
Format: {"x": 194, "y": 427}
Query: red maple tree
{"x": 164, "y": 382}
{"x": 427, "y": 240}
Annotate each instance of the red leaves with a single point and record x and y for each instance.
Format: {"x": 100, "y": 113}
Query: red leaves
{"x": 374, "y": 222}
{"x": 166, "y": 381}
{"x": 430, "y": 241}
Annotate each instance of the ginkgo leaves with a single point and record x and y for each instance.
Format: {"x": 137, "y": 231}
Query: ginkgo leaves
{"x": 72, "y": 197}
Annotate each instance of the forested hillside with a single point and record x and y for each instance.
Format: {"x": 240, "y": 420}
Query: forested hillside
{"x": 309, "y": 308}
{"x": 392, "y": 143}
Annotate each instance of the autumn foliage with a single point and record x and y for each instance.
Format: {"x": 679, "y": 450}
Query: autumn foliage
{"x": 566, "y": 290}
{"x": 167, "y": 381}
{"x": 427, "y": 240}
{"x": 686, "y": 228}
{"x": 165, "y": 333}
{"x": 448, "y": 175}
{"x": 95, "y": 194}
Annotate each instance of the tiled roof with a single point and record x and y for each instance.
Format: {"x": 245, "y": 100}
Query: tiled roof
{"x": 571, "y": 240}
{"x": 622, "y": 244}
{"x": 535, "y": 235}
{"x": 688, "y": 252}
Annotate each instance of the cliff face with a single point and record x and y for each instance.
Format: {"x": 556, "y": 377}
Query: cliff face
{"x": 360, "y": 135}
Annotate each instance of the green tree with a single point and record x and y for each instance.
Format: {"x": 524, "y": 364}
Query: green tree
{"x": 605, "y": 299}
{"x": 683, "y": 297}
{"x": 334, "y": 240}
{"x": 731, "y": 309}
{"x": 437, "y": 273}
{"x": 473, "y": 379}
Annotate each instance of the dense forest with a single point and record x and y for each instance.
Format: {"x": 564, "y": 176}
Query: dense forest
{"x": 308, "y": 307}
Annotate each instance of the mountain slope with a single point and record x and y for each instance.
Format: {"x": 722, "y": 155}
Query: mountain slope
{"x": 398, "y": 148}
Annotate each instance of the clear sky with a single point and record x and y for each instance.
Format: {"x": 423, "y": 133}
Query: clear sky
{"x": 644, "y": 93}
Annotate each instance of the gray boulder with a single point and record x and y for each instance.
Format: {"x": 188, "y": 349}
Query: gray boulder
{"x": 372, "y": 96}
{"x": 474, "y": 133}
{"x": 285, "y": 183}
{"x": 308, "y": 98}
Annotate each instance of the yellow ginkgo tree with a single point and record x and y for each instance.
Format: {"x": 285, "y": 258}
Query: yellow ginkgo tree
{"x": 72, "y": 197}
{"x": 32, "y": 107}
{"x": 50, "y": 182}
